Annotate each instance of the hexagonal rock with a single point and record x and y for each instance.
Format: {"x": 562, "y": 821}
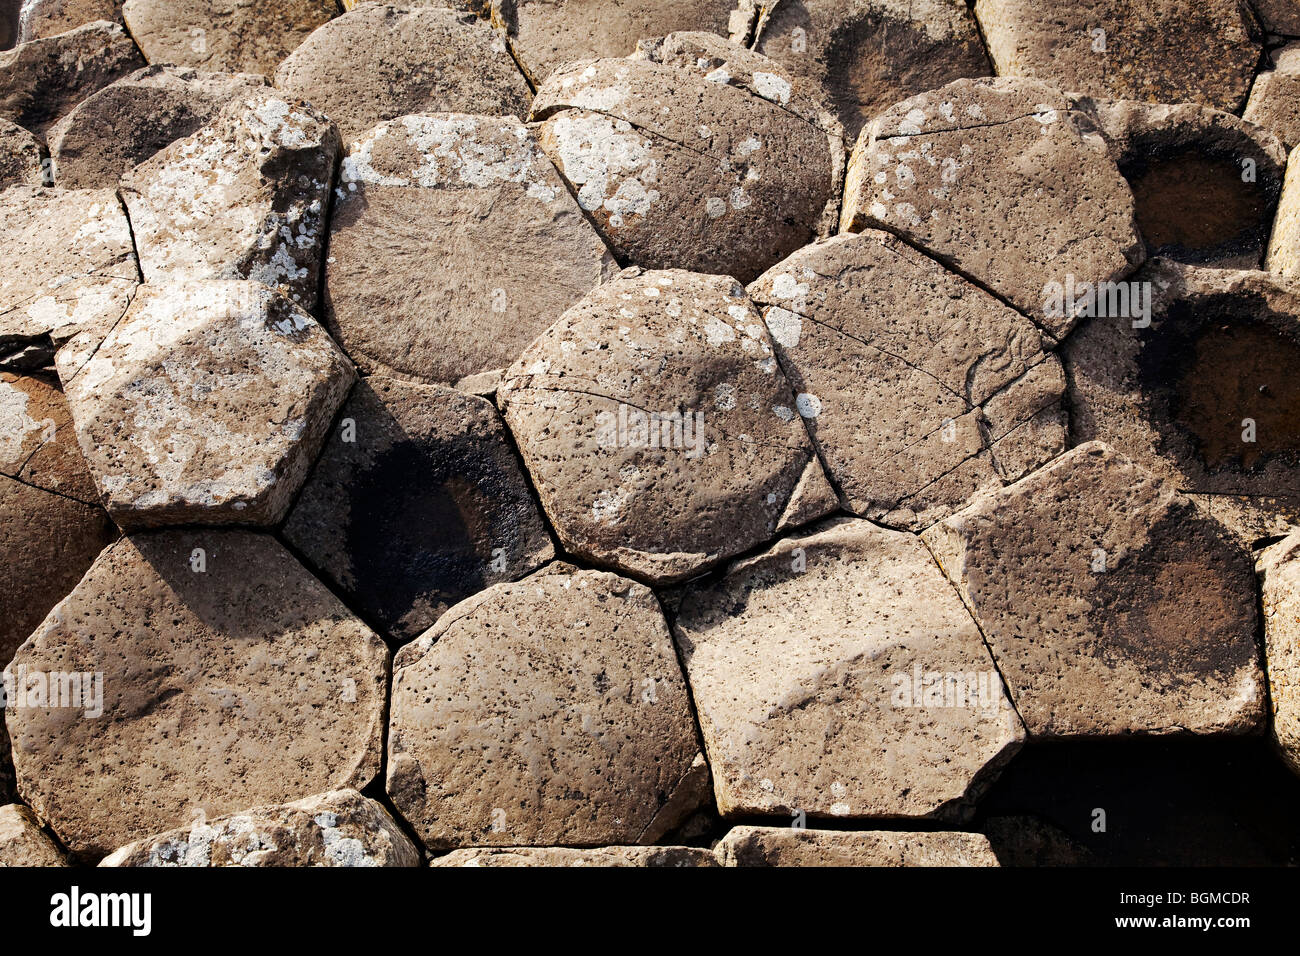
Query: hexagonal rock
{"x": 416, "y": 503}
{"x": 786, "y": 846}
{"x": 453, "y": 244}
{"x": 41, "y": 80}
{"x": 219, "y": 639}
{"x": 547, "y": 712}
{"x": 1205, "y": 183}
{"x": 658, "y": 429}
{"x": 243, "y": 198}
{"x": 21, "y": 841}
{"x": 379, "y": 62}
{"x": 999, "y": 180}
{"x": 1112, "y": 605}
{"x": 1161, "y": 51}
{"x": 206, "y": 405}
{"x": 678, "y": 169}
{"x": 224, "y": 35}
{"x": 1275, "y": 97}
{"x": 1279, "y": 569}
{"x": 1205, "y": 394}
{"x": 928, "y": 388}
{"x": 20, "y": 157}
{"x": 47, "y": 18}
{"x": 341, "y": 828}
{"x": 869, "y": 55}
{"x": 872, "y": 714}
{"x": 128, "y": 121}
{"x": 605, "y": 856}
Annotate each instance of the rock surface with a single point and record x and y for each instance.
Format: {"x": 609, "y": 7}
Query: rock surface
{"x": 416, "y": 503}
{"x": 22, "y": 843}
{"x": 206, "y": 404}
{"x": 658, "y": 429}
{"x": 1275, "y": 97}
{"x": 547, "y": 712}
{"x": 341, "y": 828}
{"x": 47, "y": 18}
{"x": 605, "y": 856}
{"x": 21, "y": 155}
{"x": 1112, "y": 605}
{"x": 215, "y": 638}
{"x": 453, "y": 244}
{"x": 786, "y": 846}
{"x": 1279, "y": 569}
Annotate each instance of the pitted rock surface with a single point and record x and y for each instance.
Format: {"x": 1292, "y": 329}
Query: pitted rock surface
{"x": 1279, "y": 570}
{"x": 22, "y": 843}
{"x": 21, "y": 155}
{"x": 1275, "y": 97}
{"x": 785, "y": 846}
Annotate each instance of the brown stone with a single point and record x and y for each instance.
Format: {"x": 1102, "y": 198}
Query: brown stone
{"x": 21, "y": 156}
{"x": 47, "y": 18}
{"x": 1275, "y": 97}
{"x": 38, "y": 445}
{"x": 605, "y": 856}
{"x": 1279, "y": 16}
{"x": 1279, "y": 570}
{"x": 786, "y": 846}
{"x": 22, "y": 843}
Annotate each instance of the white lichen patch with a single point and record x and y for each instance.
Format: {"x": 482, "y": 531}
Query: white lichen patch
{"x": 611, "y": 164}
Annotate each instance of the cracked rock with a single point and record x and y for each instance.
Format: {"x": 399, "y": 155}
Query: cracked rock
{"x": 1001, "y": 181}
{"x": 786, "y": 846}
{"x": 929, "y": 389}
{"x": 1275, "y": 97}
{"x": 228, "y": 676}
{"x": 341, "y": 828}
{"x": 1111, "y": 603}
{"x": 549, "y": 711}
{"x": 224, "y": 35}
{"x": 1279, "y": 569}
{"x": 21, "y": 157}
{"x": 453, "y": 244}
{"x": 129, "y": 121}
{"x": 605, "y": 856}
{"x": 416, "y": 503}
{"x": 206, "y": 404}
{"x": 242, "y": 198}
{"x": 22, "y": 842}
{"x": 658, "y": 428}
{"x": 378, "y": 62}
{"x": 872, "y": 713}
{"x": 1163, "y": 51}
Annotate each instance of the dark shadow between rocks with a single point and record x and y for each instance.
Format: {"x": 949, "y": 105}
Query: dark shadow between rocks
{"x": 9, "y": 11}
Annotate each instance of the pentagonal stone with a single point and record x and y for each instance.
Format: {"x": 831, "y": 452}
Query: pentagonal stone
{"x": 605, "y": 856}
{"x": 1162, "y": 51}
{"x": 869, "y": 55}
{"x": 22, "y": 843}
{"x": 1205, "y": 183}
{"x": 1199, "y": 387}
{"x": 47, "y": 18}
{"x": 549, "y": 711}
{"x": 206, "y": 404}
{"x": 874, "y": 713}
{"x": 128, "y": 121}
{"x": 224, "y": 35}
{"x": 217, "y": 640}
{"x": 787, "y": 846}
{"x": 416, "y": 503}
{"x": 1279, "y": 569}
{"x": 340, "y": 828}
{"x": 41, "y": 80}
{"x": 1275, "y": 97}
{"x": 928, "y": 388}
{"x": 379, "y": 62}
{"x": 37, "y": 443}
{"x": 658, "y": 429}
{"x": 453, "y": 244}
{"x": 20, "y": 157}
{"x": 243, "y": 198}
{"x": 997, "y": 179}
{"x": 679, "y": 169}
{"x": 1112, "y": 605}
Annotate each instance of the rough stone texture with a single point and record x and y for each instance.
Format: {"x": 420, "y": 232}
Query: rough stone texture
{"x": 1279, "y": 16}
{"x": 546, "y": 35}
{"x": 243, "y": 198}
{"x": 41, "y": 80}
{"x": 787, "y": 846}
{"x": 271, "y": 684}
{"x": 37, "y": 443}
{"x": 929, "y": 388}
{"x": 547, "y": 712}
{"x": 20, "y": 157}
{"x": 453, "y": 244}
{"x": 1275, "y": 97}
{"x": 341, "y": 828}
{"x": 1279, "y": 569}
{"x": 1163, "y": 51}
{"x": 1221, "y": 348}
{"x": 1284, "y": 243}
{"x": 224, "y": 35}
{"x": 21, "y": 841}
{"x": 6, "y": 766}
{"x": 837, "y": 720}
{"x": 605, "y": 856}
{"x": 868, "y": 54}
{"x": 206, "y": 404}
{"x": 423, "y": 507}
{"x": 1112, "y": 605}
{"x": 129, "y": 121}
{"x": 1000, "y": 180}
{"x": 715, "y": 469}
{"x": 1205, "y": 183}
{"x": 379, "y": 62}
{"x": 684, "y": 170}
{"x": 47, "y": 18}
